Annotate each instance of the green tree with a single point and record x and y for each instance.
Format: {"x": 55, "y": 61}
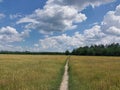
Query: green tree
{"x": 67, "y": 52}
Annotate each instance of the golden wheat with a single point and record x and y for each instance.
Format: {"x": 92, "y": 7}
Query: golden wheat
{"x": 94, "y": 73}
{"x": 31, "y": 72}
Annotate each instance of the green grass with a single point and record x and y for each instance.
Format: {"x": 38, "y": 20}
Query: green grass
{"x": 94, "y": 73}
{"x": 31, "y": 72}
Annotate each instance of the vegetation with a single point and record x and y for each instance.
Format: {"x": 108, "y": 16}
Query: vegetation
{"x": 31, "y": 72}
{"x": 94, "y": 73}
{"x": 94, "y": 50}
{"x": 67, "y": 52}
{"x": 31, "y": 53}
{"x": 98, "y": 50}
{"x": 44, "y": 72}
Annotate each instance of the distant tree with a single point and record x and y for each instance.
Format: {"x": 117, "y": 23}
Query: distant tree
{"x": 74, "y": 52}
{"x": 67, "y": 52}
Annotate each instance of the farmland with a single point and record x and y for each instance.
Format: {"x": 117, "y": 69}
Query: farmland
{"x": 94, "y": 73}
{"x": 45, "y": 72}
{"x": 31, "y": 72}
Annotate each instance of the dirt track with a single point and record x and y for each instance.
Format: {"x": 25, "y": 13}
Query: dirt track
{"x": 64, "y": 83}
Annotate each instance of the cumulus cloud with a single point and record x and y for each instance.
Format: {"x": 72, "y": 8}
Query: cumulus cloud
{"x": 79, "y": 4}
{"x": 111, "y": 22}
{"x": 62, "y": 15}
{"x": 63, "y": 42}
{"x": 89, "y": 37}
{"x": 60, "y": 43}
{"x": 106, "y": 33}
{"x": 10, "y": 34}
{"x": 114, "y": 30}
{"x": 53, "y": 19}
{"x": 2, "y": 15}
{"x": 93, "y": 35}
{"x": 59, "y": 15}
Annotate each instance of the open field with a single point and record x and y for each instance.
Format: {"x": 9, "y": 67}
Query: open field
{"x": 94, "y": 73}
{"x": 31, "y": 72}
{"x": 44, "y": 72}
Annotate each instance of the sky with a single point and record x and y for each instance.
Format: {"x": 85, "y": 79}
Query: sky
{"x": 58, "y": 25}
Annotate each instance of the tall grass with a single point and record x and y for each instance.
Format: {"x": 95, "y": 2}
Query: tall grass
{"x": 94, "y": 73}
{"x": 29, "y": 72}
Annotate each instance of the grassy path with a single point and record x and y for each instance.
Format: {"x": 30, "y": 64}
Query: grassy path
{"x": 64, "y": 83}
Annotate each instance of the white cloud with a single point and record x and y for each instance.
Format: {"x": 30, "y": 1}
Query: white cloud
{"x": 108, "y": 39}
{"x": 2, "y": 15}
{"x": 62, "y": 15}
{"x": 93, "y": 35}
{"x": 53, "y": 19}
{"x": 9, "y": 47}
{"x": 94, "y": 32}
{"x": 108, "y": 32}
{"x": 118, "y": 10}
{"x": 27, "y": 20}
{"x": 14, "y": 16}
{"x": 10, "y": 34}
{"x": 60, "y": 43}
{"x": 113, "y": 30}
{"x": 79, "y": 4}
{"x": 63, "y": 42}
{"x": 111, "y": 22}
{"x": 59, "y": 15}
{"x": 89, "y": 37}
{"x": 110, "y": 28}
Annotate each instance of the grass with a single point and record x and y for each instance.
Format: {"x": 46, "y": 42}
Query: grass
{"x": 94, "y": 73}
{"x": 31, "y": 72}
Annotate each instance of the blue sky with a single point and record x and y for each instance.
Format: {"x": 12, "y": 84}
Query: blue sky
{"x": 58, "y": 25}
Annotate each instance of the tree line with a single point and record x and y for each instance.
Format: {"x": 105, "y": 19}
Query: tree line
{"x": 31, "y": 53}
{"x": 93, "y": 50}
{"x": 97, "y": 50}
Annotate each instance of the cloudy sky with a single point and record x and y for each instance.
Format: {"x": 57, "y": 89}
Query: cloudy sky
{"x": 58, "y": 25}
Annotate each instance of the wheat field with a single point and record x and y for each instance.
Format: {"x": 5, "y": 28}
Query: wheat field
{"x": 31, "y": 72}
{"x": 94, "y": 73}
{"x": 44, "y": 72}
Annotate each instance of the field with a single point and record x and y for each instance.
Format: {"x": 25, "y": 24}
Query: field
{"x": 94, "y": 73}
{"x": 31, "y": 72}
{"x": 45, "y": 72}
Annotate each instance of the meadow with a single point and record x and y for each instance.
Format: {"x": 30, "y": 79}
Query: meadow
{"x": 31, "y": 72}
{"x": 94, "y": 73}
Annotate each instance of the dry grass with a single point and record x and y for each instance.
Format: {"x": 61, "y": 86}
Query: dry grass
{"x": 31, "y": 72}
{"x": 94, "y": 73}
